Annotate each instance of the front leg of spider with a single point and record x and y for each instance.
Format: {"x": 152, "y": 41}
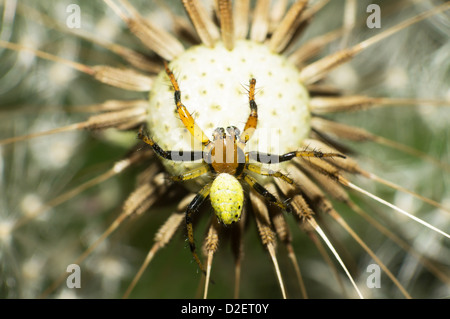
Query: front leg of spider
{"x": 249, "y": 129}
{"x": 252, "y": 121}
{"x": 185, "y": 116}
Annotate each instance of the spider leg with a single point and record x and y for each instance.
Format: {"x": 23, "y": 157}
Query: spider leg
{"x": 252, "y": 120}
{"x": 267, "y": 172}
{"x": 268, "y": 158}
{"x": 184, "y": 114}
{"x": 193, "y": 206}
{"x": 194, "y": 173}
{"x": 177, "y": 156}
{"x": 265, "y": 193}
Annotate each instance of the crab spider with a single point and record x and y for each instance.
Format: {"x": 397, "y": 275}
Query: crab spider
{"x": 224, "y": 157}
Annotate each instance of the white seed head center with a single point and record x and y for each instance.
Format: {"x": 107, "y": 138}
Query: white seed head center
{"x": 214, "y": 88}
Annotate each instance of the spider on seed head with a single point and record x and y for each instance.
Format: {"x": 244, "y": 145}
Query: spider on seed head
{"x": 225, "y": 157}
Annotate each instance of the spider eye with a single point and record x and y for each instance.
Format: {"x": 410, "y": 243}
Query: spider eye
{"x": 233, "y": 131}
{"x": 219, "y": 133}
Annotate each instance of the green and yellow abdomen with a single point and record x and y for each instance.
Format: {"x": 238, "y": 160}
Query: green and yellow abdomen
{"x": 227, "y": 198}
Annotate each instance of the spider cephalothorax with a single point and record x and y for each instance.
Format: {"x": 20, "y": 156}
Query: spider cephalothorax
{"x": 225, "y": 157}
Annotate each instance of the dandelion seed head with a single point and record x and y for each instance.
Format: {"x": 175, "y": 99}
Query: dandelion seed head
{"x": 214, "y": 83}
{"x": 397, "y": 78}
{"x": 30, "y": 204}
{"x": 33, "y": 267}
{"x": 103, "y": 27}
{"x": 111, "y": 267}
{"x": 59, "y": 149}
{"x": 346, "y": 76}
{"x": 6, "y": 227}
{"x": 25, "y": 58}
{"x": 60, "y": 74}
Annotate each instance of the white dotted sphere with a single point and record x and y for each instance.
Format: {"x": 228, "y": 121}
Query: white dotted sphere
{"x": 214, "y": 88}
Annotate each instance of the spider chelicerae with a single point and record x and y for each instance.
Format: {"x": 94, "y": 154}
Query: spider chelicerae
{"x": 226, "y": 159}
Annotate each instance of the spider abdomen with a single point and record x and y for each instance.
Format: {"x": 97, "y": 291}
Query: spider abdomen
{"x": 227, "y": 198}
